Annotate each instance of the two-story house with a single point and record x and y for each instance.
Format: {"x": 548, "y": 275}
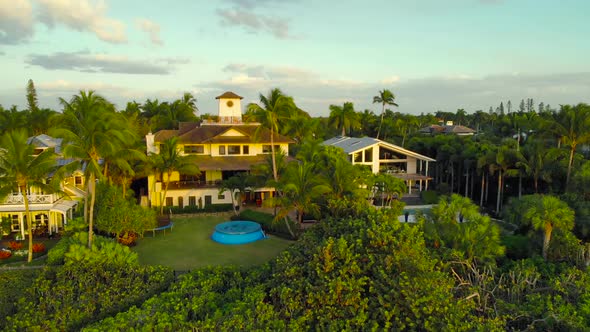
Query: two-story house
{"x": 49, "y": 211}
{"x": 384, "y": 157}
{"x": 221, "y": 150}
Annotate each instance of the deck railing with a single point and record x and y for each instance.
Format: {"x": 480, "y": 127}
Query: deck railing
{"x": 33, "y": 199}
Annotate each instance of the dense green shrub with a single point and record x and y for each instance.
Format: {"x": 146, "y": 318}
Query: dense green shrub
{"x": 120, "y": 215}
{"x": 204, "y": 295}
{"x": 517, "y": 246}
{"x": 429, "y": 196}
{"x": 13, "y": 285}
{"x": 195, "y": 208}
{"x": 66, "y": 298}
{"x": 72, "y": 250}
{"x": 57, "y": 254}
{"x": 268, "y": 224}
{"x": 355, "y": 274}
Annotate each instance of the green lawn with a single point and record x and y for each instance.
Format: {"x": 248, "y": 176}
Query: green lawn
{"x": 189, "y": 246}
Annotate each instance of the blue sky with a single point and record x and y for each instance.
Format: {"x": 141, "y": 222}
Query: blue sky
{"x": 433, "y": 54}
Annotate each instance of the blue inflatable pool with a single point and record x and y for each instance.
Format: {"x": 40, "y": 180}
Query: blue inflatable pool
{"x": 238, "y": 232}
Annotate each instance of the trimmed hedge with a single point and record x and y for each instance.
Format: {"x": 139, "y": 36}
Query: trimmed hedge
{"x": 195, "y": 208}
{"x": 266, "y": 220}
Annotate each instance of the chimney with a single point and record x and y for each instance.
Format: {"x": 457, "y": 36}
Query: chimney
{"x": 150, "y": 144}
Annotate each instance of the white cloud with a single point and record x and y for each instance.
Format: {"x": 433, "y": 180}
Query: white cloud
{"x": 93, "y": 63}
{"x": 82, "y": 15}
{"x": 390, "y": 80}
{"x": 151, "y": 28}
{"x": 253, "y": 22}
{"x": 16, "y": 21}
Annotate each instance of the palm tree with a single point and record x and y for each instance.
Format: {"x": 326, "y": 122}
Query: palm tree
{"x": 90, "y": 131}
{"x": 170, "y": 160}
{"x": 343, "y": 117}
{"x": 236, "y": 185}
{"x": 301, "y": 188}
{"x": 275, "y": 107}
{"x": 547, "y": 213}
{"x": 573, "y": 126}
{"x": 20, "y": 168}
{"x": 457, "y": 223}
{"x": 505, "y": 159}
{"x": 385, "y": 97}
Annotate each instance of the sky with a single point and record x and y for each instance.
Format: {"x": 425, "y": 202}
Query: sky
{"x": 432, "y": 54}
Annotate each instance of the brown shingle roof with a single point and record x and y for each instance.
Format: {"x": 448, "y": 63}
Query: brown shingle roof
{"x": 228, "y": 94}
{"x": 213, "y": 134}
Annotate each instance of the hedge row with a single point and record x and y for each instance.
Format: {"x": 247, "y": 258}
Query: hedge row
{"x": 196, "y": 209}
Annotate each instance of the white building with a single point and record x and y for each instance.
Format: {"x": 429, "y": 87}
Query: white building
{"x": 384, "y": 157}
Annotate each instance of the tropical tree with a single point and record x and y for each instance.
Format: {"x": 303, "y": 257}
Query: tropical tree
{"x": 301, "y": 188}
{"x": 90, "y": 131}
{"x": 11, "y": 119}
{"x": 21, "y": 169}
{"x": 385, "y": 97}
{"x": 181, "y": 110}
{"x": 533, "y": 161}
{"x": 273, "y": 109}
{"x": 343, "y": 117}
{"x": 456, "y": 223}
{"x": 547, "y": 213}
{"x": 236, "y": 185}
{"x": 573, "y": 127}
{"x": 388, "y": 187}
{"x": 170, "y": 160}
{"x": 503, "y": 164}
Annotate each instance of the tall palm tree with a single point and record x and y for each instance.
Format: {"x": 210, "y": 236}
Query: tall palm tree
{"x": 547, "y": 213}
{"x": 573, "y": 126}
{"x": 385, "y": 97}
{"x": 343, "y": 117}
{"x": 170, "y": 160}
{"x": 273, "y": 109}
{"x": 20, "y": 168}
{"x": 503, "y": 164}
{"x": 90, "y": 131}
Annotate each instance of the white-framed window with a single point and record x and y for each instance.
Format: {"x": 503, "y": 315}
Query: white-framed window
{"x": 233, "y": 149}
{"x": 266, "y": 148}
{"x": 194, "y": 149}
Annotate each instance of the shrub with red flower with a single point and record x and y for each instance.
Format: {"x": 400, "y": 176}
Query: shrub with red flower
{"x": 38, "y": 247}
{"x": 14, "y": 245}
{"x": 5, "y": 254}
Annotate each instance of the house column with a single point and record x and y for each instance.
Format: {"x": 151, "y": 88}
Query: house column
{"x": 426, "y": 175}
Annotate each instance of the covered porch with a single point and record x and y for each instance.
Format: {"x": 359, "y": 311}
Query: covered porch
{"x": 47, "y": 219}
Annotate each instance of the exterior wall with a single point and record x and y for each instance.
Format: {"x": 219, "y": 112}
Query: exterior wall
{"x": 234, "y": 111}
{"x": 213, "y": 175}
{"x": 411, "y": 166}
{"x": 198, "y": 193}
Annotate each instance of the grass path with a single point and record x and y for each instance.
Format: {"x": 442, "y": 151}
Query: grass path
{"x": 189, "y": 246}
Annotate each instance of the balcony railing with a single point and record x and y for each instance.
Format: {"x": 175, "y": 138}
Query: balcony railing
{"x": 192, "y": 184}
{"x": 33, "y": 199}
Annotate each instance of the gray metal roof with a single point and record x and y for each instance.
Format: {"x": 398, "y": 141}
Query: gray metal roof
{"x": 353, "y": 144}
{"x": 46, "y": 141}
